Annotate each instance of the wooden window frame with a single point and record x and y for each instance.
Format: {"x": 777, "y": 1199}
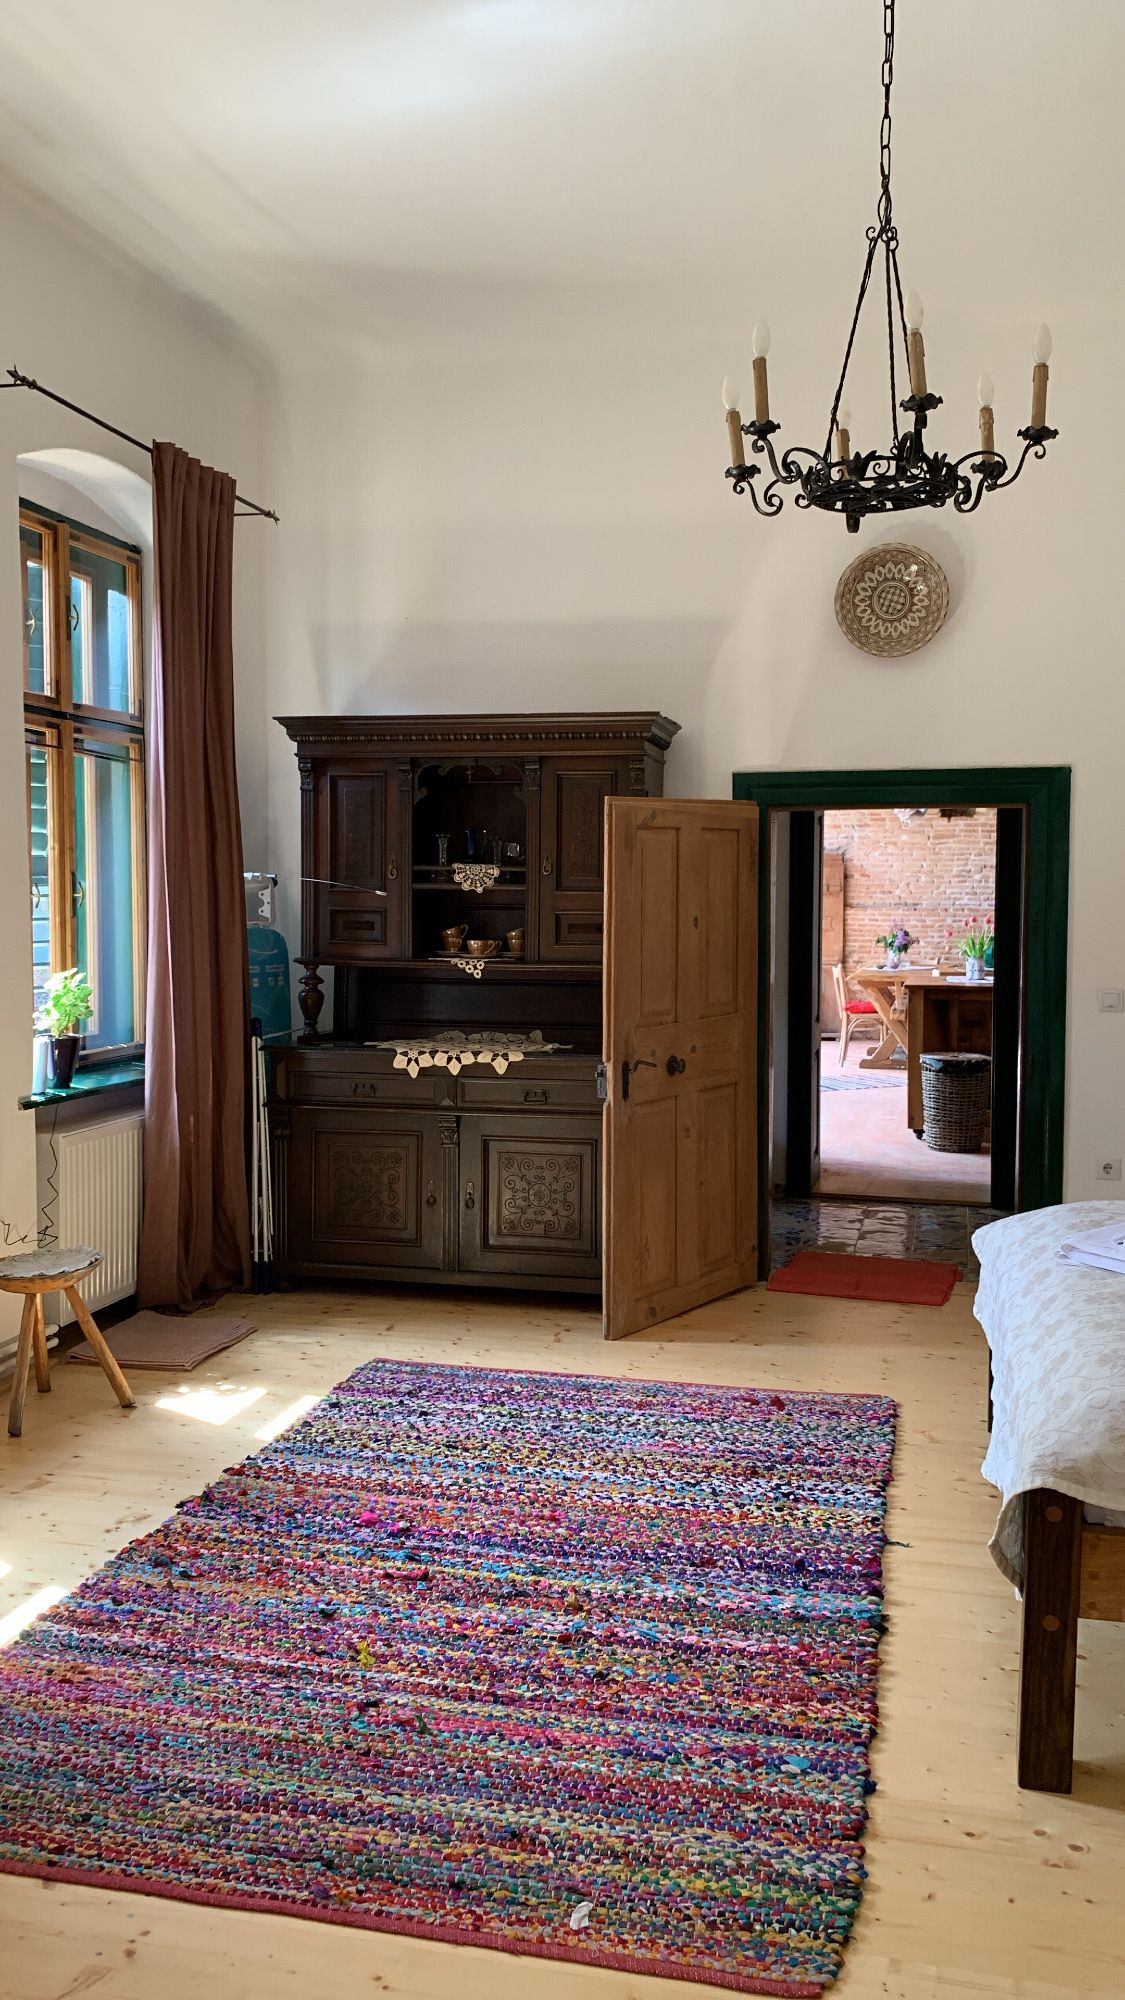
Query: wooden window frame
{"x": 56, "y": 722}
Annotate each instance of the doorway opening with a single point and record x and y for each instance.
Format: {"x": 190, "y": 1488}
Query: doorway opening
{"x": 891, "y": 1151}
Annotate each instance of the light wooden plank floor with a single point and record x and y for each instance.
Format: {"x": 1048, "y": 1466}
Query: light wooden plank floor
{"x": 975, "y": 1888}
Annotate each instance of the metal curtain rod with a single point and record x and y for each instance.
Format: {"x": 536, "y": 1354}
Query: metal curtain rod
{"x": 18, "y": 380}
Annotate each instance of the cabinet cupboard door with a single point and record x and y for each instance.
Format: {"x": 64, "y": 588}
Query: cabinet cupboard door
{"x": 571, "y": 860}
{"x": 529, "y": 1196}
{"x": 364, "y": 1188}
{"x": 359, "y": 849}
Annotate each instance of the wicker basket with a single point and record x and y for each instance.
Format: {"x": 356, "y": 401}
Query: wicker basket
{"x": 956, "y": 1090}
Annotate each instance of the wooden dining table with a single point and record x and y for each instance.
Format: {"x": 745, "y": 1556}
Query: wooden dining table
{"x": 921, "y": 1011}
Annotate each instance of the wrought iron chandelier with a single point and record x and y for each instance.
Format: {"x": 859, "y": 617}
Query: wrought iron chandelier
{"x": 856, "y": 484}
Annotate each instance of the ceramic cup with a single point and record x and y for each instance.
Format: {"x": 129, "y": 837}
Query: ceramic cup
{"x": 515, "y": 942}
{"x": 454, "y": 937}
{"x": 483, "y": 947}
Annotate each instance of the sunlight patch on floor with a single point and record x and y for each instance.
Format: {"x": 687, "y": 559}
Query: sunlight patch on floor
{"x": 211, "y": 1405}
{"x": 286, "y": 1418}
{"x": 16, "y": 1621}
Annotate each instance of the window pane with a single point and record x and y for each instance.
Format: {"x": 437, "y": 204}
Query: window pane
{"x": 103, "y": 825}
{"x": 101, "y": 631}
{"x": 39, "y": 806}
{"x": 33, "y": 565}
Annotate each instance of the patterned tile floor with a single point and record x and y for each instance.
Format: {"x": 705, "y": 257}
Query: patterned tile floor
{"x": 940, "y": 1232}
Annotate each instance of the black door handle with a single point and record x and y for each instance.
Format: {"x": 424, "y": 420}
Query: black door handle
{"x": 675, "y": 1065}
{"x": 642, "y": 1062}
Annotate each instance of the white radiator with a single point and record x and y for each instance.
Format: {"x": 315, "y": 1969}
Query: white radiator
{"x": 99, "y": 1202}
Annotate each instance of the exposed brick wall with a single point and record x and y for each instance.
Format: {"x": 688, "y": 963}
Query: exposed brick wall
{"x": 930, "y": 875}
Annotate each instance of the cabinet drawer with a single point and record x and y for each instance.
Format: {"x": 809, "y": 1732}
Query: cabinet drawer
{"x": 515, "y": 1092}
{"x": 326, "y": 1079}
{"x": 530, "y": 1196}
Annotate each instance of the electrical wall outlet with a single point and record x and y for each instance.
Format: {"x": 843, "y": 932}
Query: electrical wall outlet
{"x": 1109, "y": 1170}
{"x": 1111, "y": 1000}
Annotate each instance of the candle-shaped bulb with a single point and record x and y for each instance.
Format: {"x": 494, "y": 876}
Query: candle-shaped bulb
{"x": 843, "y": 418}
{"x": 1041, "y": 350}
{"x": 985, "y": 391}
{"x": 730, "y": 393}
{"x": 914, "y": 311}
{"x": 761, "y": 339}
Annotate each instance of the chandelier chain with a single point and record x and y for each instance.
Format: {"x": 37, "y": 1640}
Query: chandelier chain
{"x": 885, "y": 127}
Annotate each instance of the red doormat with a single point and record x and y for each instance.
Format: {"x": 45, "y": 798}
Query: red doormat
{"x": 892, "y": 1281}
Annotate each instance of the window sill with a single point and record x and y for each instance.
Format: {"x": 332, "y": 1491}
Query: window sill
{"x": 89, "y": 1083}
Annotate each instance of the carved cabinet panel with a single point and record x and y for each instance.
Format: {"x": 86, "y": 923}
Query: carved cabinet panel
{"x": 529, "y": 1196}
{"x": 366, "y": 1187}
{"x": 574, "y": 791}
{"x": 361, "y": 864}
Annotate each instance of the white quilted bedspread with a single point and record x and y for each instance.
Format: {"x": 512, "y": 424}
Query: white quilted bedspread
{"x": 1057, "y": 1335}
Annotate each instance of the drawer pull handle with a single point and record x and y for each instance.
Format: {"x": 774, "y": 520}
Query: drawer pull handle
{"x": 537, "y": 1097}
{"x": 431, "y": 1196}
{"x": 470, "y": 1196}
{"x": 365, "y": 1090}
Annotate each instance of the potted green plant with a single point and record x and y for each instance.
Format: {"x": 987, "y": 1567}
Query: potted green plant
{"x": 67, "y": 1002}
{"x": 975, "y": 947}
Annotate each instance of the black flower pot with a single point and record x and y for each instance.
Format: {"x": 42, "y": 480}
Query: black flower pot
{"x": 64, "y": 1055}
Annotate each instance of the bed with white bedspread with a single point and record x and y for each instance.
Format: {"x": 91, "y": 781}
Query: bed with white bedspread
{"x": 1056, "y": 1332}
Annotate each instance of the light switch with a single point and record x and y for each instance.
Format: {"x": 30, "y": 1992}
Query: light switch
{"x": 1111, "y": 1000}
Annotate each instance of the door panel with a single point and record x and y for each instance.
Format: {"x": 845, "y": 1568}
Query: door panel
{"x": 571, "y": 869}
{"x": 718, "y": 1159}
{"x": 806, "y": 892}
{"x": 367, "y": 1188}
{"x": 680, "y": 1218}
{"x": 721, "y": 942}
{"x": 361, "y": 838}
{"x": 1007, "y": 1004}
{"x": 528, "y": 1196}
{"x": 657, "y": 868}
{"x": 657, "y": 1206}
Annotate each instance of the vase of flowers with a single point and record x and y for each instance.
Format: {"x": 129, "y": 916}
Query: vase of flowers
{"x": 67, "y": 1002}
{"x": 896, "y": 943}
{"x": 976, "y": 946}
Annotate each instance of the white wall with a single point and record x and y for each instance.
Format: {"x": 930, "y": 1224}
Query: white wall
{"x": 93, "y": 326}
{"x": 536, "y": 516}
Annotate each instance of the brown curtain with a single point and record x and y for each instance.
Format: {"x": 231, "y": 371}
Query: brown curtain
{"x": 195, "y": 1233}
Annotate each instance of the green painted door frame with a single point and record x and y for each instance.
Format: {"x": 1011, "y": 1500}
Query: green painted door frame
{"x": 1044, "y": 794}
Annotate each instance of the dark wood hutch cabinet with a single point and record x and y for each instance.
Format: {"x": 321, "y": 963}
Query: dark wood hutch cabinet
{"x": 477, "y": 1178}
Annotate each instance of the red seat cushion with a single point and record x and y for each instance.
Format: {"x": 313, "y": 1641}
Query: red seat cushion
{"x": 861, "y": 1007}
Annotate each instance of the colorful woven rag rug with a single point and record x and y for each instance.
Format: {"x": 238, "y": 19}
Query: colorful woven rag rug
{"x": 575, "y": 1668}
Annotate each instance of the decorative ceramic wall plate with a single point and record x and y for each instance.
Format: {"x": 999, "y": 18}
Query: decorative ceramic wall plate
{"x": 892, "y": 600}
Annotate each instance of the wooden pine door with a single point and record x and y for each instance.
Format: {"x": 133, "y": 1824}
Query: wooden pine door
{"x": 680, "y": 1199}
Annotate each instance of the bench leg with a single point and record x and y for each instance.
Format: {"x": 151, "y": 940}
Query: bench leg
{"x": 39, "y": 1339}
{"x": 23, "y": 1361}
{"x": 89, "y": 1327}
{"x": 1049, "y": 1653}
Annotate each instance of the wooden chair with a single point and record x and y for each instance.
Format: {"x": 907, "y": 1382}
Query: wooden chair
{"x": 30, "y": 1275}
{"x": 851, "y": 1011}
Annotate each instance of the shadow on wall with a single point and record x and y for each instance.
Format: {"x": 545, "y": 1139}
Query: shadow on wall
{"x": 524, "y": 667}
{"x": 116, "y": 492}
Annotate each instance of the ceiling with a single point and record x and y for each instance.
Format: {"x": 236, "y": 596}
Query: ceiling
{"x": 392, "y": 169}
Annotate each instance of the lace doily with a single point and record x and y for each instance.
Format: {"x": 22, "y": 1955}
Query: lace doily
{"x": 455, "y": 1052}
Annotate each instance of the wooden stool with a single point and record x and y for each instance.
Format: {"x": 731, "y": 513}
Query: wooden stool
{"x": 32, "y": 1274}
